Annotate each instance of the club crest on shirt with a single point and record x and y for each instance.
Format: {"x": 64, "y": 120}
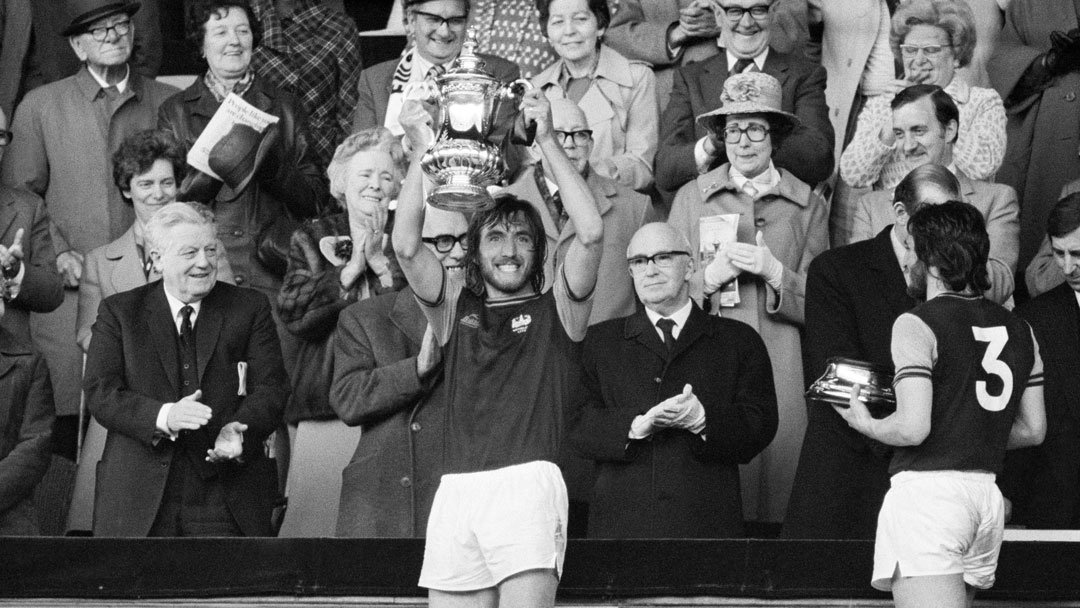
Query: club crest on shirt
{"x": 520, "y": 323}
{"x": 471, "y": 320}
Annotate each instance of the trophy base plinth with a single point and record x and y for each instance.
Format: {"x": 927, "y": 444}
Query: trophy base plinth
{"x": 465, "y": 198}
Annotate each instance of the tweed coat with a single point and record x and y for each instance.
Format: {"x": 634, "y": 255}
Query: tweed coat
{"x": 1044, "y": 129}
{"x": 794, "y": 222}
{"x": 388, "y": 487}
{"x": 998, "y": 206}
{"x": 674, "y": 484}
{"x": 26, "y": 419}
{"x": 42, "y": 289}
{"x": 807, "y": 152}
{"x": 1044, "y": 482}
{"x": 62, "y": 152}
{"x": 132, "y": 369}
{"x": 853, "y": 295}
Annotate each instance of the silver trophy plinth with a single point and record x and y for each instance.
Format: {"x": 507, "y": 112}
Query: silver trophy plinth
{"x": 462, "y": 161}
{"x": 834, "y": 386}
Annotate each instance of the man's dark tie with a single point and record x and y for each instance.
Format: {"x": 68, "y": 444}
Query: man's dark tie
{"x": 740, "y": 66}
{"x": 185, "y": 326}
{"x": 666, "y": 325}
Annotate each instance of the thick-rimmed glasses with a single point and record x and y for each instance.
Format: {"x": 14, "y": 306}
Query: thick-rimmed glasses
{"x": 735, "y": 13}
{"x": 444, "y": 243}
{"x": 662, "y": 259}
{"x": 5, "y": 137}
{"x": 580, "y": 138}
{"x": 755, "y": 133}
{"x": 929, "y": 50}
{"x": 433, "y": 21}
{"x": 100, "y": 34}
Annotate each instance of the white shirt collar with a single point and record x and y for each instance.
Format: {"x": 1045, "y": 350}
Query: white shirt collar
{"x": 679, "y": 317}
{"x": 759, "y": 61}
{"x": 1077, "y": 294}
{"x": 120, "y": 86}
{"x": 763, "y": 182}
{"x": 175, "y": 305}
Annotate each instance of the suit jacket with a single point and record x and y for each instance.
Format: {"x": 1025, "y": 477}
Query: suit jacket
{"x": 42, "y": 289}
{"x": 996, "y": 202}
{"x": 376, "y": 385}
{"x": 674, "y": 484}
{"x": 623, "y": 211}
{"x": 853, "y": 295}
{"x": 132, "y": 369}
{"x": 26, "y": 419}
{"x": 807, "y": 152}
{"x": 1044, "y": 482}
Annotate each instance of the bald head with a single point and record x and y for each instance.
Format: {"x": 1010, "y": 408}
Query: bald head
{"x": 661, "y": 263}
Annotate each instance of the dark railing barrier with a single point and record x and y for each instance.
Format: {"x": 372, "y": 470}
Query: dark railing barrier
{"x": 96, "y": 568}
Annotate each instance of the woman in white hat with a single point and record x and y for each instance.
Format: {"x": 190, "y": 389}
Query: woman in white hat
{"x": 757, "y": 272}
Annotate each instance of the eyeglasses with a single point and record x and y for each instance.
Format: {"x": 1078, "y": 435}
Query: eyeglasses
{"x": 433, "y": 21}
{"x": 662, "y": 259}
{"x": 580, "y": 138}
{"x": 755, "y": 133}
{"x": 101, "y": 33}
{"x": 444, "y": 243}
{"x": 735, "y": 13}
{"x": 6, "y": 137}
{"x": 929, "y": 50}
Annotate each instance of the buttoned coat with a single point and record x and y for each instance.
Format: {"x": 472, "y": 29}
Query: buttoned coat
{"x": 26, "y": 420}
{"x": 388, "y": 487}
{"x": 674, "y": 484}
{"x": 1044, "y": 482}
{"x": 621, "y": 111}
{"x": 132, "y": 369}
{"x": 998, "y": 206}
{"x": 289, "y": 180}
{"x": 42, "y": 289}
{"x": 794, "y": 222}
{"x": 62, "y": 151}
{"x": 807, "y": 152}
{"x": 853, "y": 295}
{"x": 1044, "y": 129}
{"x": 622, "y": 211}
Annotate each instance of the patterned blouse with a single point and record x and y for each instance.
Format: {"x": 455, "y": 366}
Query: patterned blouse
{"x": 510, "y": 29}
{"x": 978, "y": 152}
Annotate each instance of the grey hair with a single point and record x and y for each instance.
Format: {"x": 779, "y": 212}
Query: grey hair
{"x": 175, "y": 214}
{"x": 375, "y": 138}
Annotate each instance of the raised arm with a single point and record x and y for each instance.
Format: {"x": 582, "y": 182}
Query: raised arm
{"x": 582, "y": 260}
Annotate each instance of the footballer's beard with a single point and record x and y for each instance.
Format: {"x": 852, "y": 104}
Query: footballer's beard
{"x": 917, "y": 281}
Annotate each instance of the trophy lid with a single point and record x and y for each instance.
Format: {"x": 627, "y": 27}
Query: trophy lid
{"x": 468, "y": 62}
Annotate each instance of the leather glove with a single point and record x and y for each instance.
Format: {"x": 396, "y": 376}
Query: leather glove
{"x": 1064, "y": 54}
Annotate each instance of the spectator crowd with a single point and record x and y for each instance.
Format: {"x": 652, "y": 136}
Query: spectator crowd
{"x": 703, "y": 202}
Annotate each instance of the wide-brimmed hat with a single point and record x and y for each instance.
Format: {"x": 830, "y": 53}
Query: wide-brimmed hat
{"x": 84, "y": 13}
{"x": 749, "y": 93}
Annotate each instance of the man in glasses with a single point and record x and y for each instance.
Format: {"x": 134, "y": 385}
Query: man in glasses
{"x": 388, "y": 377}
{"x": 688, "y": 149}
{"x": 65, "y": 134}
{"x": 674, "y": 400}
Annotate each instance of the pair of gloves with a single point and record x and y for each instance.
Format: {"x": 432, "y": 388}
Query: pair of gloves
{"x": 683, "y": 411}
{"x": 1064, "y": 54}
{"x": 733, "y": 259}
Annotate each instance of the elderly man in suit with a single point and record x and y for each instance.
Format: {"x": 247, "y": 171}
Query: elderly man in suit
{"x": 687, "y": 148}
{"x": 186, "y": 375}
{"x": 925, "y": 120}
{"x": 65, "y": 133}
{"x": 1044, "y": 482}
{"x": 26, "y": 417}
{"x": 29, "y": 276}
{"x": 670, "y": 388}
{"x": 388, "y": 378}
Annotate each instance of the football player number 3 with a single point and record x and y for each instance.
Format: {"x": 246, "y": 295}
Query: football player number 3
{"x": 996, "y": 338}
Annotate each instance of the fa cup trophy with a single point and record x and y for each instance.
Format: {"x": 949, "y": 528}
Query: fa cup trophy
{"x": 462, "y": 161}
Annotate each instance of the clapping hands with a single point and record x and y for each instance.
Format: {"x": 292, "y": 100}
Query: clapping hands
{"x": 683, "y": 411}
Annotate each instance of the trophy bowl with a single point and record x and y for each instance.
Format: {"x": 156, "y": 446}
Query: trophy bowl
{"x": 841, "y": 374}
{"x": 462, "y": 161}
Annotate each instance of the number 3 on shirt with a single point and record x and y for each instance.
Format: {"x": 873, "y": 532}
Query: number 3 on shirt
{"x": 996, "y": 337}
